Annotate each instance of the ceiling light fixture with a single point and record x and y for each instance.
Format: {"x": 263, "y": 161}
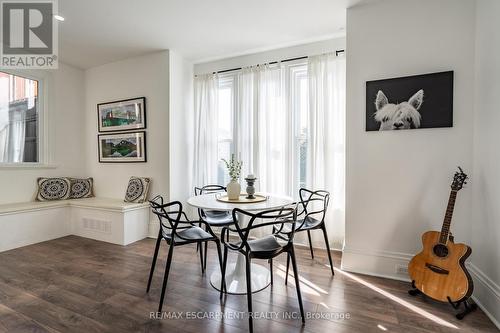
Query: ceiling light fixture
{"x": 59, "y": 18}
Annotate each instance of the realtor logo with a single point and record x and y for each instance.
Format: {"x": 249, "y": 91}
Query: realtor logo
{"x": 29, "y": 34}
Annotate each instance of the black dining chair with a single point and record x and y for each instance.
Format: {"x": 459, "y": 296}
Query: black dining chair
{"x": 266, "y": 248}
{"x": 159, "y": 201}
{"x": 312, "y": 218}
{"x": 177, "y": 230}
{"x": 214, "y": 218}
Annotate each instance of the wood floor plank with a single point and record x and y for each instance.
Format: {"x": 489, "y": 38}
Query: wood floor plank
{"x": 74, "y": 284}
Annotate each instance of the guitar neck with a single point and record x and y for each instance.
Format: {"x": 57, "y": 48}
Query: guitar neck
{"x": 445, "y": 230}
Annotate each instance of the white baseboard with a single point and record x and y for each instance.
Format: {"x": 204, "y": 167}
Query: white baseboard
{"x": 486, "y": 294}
{"x": 375, "y": 263}
{"x": 383, "y": 264}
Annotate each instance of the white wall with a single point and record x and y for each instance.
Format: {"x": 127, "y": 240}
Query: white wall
{"x": 485, "y": 179}
{"x": 181, "y": 126}
{"x": 65, "y": 119}
{"x": 147, "y": 76}
{"x": 303, "y": 50}
{"x": 398, "y": 181}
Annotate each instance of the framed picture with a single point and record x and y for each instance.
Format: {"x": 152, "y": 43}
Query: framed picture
{"x": 128, "y": 114}
{"x": 122, "y": 147}
{"x": 411, "y": 102}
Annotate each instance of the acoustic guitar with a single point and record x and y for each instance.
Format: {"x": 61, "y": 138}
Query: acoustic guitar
{"x": 439, "y": 270}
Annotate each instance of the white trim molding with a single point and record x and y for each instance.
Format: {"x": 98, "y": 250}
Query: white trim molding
{"x": 486, "y": 293}
{"x": 375, "y": 263}
{"x": 384, "y": 264}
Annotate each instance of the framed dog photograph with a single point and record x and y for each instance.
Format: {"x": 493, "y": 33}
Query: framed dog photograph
{"x": 411, "y": 102}
{"x": 122, "y": 147}
{"x": 128, "y": 114}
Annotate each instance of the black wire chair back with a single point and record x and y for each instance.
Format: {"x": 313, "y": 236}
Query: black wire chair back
{"x": 309, "y": 202}
{"x": 173, "y": 214}
{"x": 208, "y": 189}
{"x": 277, "y": 218}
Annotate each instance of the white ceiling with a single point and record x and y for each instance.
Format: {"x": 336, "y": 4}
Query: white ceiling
{"x": 96, "y": 32}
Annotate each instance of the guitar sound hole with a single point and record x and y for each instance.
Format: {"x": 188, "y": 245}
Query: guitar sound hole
{"x": 440, "y": 250}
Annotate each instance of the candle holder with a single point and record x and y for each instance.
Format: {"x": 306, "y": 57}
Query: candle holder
{"x": 250, "y": 179}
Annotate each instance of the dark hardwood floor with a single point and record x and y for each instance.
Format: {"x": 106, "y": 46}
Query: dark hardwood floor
{"x": 74, "y": 284}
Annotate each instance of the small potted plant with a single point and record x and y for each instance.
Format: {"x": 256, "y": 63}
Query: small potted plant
{"x": 234, "y": 169}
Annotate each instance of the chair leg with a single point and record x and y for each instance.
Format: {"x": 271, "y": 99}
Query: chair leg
{"x": 271, "y": 269}
{"x": 165, "y": 276}
{"x": 198, "y": 244}
{"x": 287, "y": 267}
{"x": 223, "y": 286}
{"x": 205, "y": 260}
{"x": 249, "y": 293}
{"x": 310, "y": 243}
{"x": 219, "y": 253}
{"x": 206, "y": 251}
{"x": 328, "y": 248}
{"x": 201, "y": 258}
{"x": 153, "y": 264}
{"x": 297, "y": 283}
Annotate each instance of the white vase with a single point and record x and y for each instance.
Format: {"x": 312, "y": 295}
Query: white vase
{"x": 233, "y": 190}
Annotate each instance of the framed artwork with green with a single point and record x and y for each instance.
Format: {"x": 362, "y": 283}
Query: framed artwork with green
{"x": 127, "y": 114}
{"x": 122, "y": 147}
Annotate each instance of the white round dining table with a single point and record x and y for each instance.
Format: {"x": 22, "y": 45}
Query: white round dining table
{"x": 235, "y": 273}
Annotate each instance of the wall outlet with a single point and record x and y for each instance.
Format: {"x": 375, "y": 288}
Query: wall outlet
{"x": 402, "y": 269}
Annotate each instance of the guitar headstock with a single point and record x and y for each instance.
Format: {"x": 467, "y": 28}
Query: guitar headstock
{"x": 459, "y": 180}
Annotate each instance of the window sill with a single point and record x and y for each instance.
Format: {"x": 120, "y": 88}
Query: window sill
{"x": 26, "y": 166}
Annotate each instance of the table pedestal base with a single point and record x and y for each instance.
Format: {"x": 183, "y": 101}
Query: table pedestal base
{"x": 236, "y": 277}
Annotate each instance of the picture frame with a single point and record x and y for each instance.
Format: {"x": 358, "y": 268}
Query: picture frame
{"x": 128, "y": 147}
{"x": 410, "y": 102}
{"x": 122, "y": 115}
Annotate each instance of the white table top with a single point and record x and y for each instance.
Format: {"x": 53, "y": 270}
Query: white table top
{"x": 209, "y": 201}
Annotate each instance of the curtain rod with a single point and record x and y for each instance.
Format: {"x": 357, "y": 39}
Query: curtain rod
{"x": 337, "y": 52}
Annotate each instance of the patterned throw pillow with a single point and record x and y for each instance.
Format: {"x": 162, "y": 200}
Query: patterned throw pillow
{"x": 81, "y": 188}
{"x": 53, "y": 189}
{"x": 137, "y": 189}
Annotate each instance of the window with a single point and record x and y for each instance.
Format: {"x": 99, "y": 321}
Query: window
{"x": 19, "y": 119}
{"x": 289, "y": 82}
{"x": 285, "y": 121}
{"x": 300, "y": 105}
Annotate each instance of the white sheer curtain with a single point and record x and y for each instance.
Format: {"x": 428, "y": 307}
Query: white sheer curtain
{"x": 245, "y": 119}
{"x": 265, "y": 128}
{"x": 12, "y": 132}
{"x": 326, "y": 139}
{"x": 206, "y": 125}
{"x": 263, "y": 124}
{"x": 274, "y": 140}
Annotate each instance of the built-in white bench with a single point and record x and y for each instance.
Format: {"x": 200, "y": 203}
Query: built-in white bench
{"x": 109, "y": 220}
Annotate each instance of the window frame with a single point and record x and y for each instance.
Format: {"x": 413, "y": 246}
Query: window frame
{"x": 43, "y": 140}
{"x": 296, "y": 71}
{"x": 229, "y": 80}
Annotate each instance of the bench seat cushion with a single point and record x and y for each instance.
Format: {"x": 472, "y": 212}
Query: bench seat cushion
{"x": 107, "y": 203}
{"x": 98, "y": 203}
